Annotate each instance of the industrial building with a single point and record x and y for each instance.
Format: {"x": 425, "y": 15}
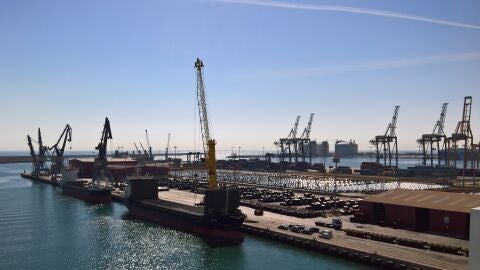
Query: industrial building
{"x": 346, "y": 149}
{"x": 435, "y": 212}
{"x": 319, "y": 149}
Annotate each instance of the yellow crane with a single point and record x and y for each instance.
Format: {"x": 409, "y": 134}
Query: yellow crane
{"x": 208, "y": 143}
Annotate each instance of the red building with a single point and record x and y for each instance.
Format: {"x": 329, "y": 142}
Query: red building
{"x": 436, "y": 212}
{"x": 118, "y": 167}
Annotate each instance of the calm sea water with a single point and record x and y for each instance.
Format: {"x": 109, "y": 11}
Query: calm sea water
{"x": 42, "y": 229}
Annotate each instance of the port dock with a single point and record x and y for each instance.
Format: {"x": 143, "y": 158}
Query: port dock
{"x": 382, "y": 254}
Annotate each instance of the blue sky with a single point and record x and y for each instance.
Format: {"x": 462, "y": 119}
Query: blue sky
{"x": 349, "y": 62}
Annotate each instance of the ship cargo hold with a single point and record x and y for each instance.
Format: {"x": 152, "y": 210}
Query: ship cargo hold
{"x": 218, "y": 219}
{"x": 86, "y": 191}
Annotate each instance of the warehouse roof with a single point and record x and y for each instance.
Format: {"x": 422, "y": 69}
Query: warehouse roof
{"x": 448, "y": 201}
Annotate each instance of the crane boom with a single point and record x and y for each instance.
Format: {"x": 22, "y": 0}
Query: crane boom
{"x": 32, "y": 153}
{"x": 136, "y": 147}
{"x": 438, "y": 128}
{"x": 168, "y": 146}
{"x": 392, "y": 126}
{"x": 293, "y": 131}
{"x": 306, "y": 131}
{"x": 208, "y": 143}
{"x": 59, "y": 148}
{"x": 148, "y": 144}
{"x": 102, "y": 145}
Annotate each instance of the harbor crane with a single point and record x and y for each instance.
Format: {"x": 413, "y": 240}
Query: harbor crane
{"x": 219, "y": 203}
{"x": 101, "y": 171}
{"x": 430, "y": 143}
{"x": 208, "y": 142}
{"x": 286, "y": 143}
{"x": 463, "y": 133}
{"x": 38, "y": 160}
{"x": 305, "y": 139}
{"x": 150, "y": 155}
{"x": 136, "y": 147}
{"x": 387, "y": 143}
{"x": 168, "y": 146}
{"x": 35, "y": 169}
{"x": 58, "y": 150}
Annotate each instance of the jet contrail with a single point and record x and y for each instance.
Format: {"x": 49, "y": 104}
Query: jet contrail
{"x": 367, "y": 66}
{"x": 365, "y": 11}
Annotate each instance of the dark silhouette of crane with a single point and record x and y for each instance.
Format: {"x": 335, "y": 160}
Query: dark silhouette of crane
{"x": 387, "y": 143}
{"x": 38, "y": 160}
{"x": 58, "y": 150}
{"x": 431, "y": 144}
{"x": 285, "y": 144}
{"x": 101, "y": 171}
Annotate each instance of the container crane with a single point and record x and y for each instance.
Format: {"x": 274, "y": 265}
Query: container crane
{"x": 305, "y": 139}
{"x": 387, "y": 143}
{"x": 285, "y": 143}
{"x": 101, "y": 171}
{"x": 463, "y": 133}
{"x": 58, "y": 150}
{"x": 168, "y": 146}
{"x": 427, "y": 141}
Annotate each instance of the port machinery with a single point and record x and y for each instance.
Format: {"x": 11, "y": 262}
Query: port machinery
{"x": 434, "y": 143}
{"x": 294, "y": 146}
{"x": 100, "y": 164}
{"x": 58, "y": 149}
{"x": 39, "y": 166}
{"x": 463, "y": 134}
{"x": 387, "y": 143}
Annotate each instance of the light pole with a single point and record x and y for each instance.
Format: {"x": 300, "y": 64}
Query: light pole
{"x": 239, "y": 151}
{"x": 336, "y": 160}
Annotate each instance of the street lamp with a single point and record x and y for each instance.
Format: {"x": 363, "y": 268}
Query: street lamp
{"x": 336, "y": 160}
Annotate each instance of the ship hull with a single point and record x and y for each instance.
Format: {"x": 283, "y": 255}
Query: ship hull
{"x": 218, "y": 233}
{"x": 85, "y": 193}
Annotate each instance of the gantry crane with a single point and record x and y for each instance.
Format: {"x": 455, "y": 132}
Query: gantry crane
{"x": 58, "y": 150}
{"x": 428, "y": 141}
{"x": 387, "y": 143}
{"x": 285, "y": 144}
{"x": 463, "y": 133}
{"x": 101, "y": 171}
{"x": 305, "y": 139}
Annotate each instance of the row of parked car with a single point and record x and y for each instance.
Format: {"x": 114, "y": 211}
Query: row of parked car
{"x": 299, "y": 228}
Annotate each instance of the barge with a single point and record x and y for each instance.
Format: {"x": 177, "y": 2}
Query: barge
{"x": 218, "y": 219}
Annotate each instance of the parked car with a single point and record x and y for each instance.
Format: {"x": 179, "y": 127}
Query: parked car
{"x": 283, "y": 227}
{"x": 336, "y": 223}
{"x": 326, "y": 234}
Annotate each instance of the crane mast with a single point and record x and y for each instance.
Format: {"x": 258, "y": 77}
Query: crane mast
{"x": 136, "y": 147}
{"x": 101, "y": 172}
{"x": 208, "y": 143}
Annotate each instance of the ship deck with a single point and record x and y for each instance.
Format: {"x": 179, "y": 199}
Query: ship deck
{"x": 178, "y": 201}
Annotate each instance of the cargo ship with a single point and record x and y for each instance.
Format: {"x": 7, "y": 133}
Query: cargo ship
{"x": 86, "y": 191}
{"x": 218, "y": 219}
